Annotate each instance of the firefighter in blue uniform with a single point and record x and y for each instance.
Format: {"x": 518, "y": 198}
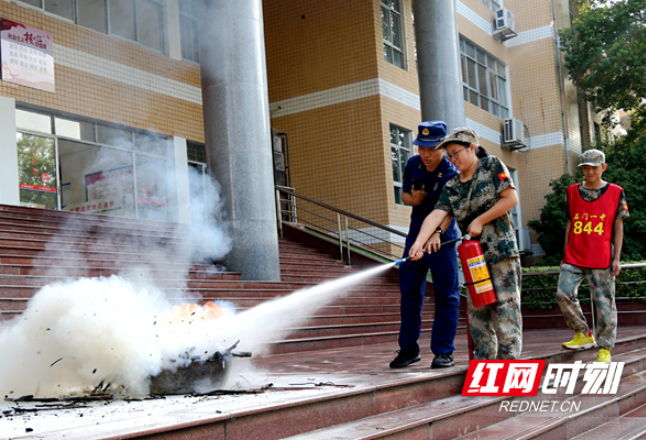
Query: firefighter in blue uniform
{"x": 424, "y": 177}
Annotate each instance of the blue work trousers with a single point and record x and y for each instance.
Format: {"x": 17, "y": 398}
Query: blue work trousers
{"x": 412, "y": 283}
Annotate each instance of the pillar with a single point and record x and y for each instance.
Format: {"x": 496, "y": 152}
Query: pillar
{"x": 180, "y": 198}
{"x": 238, "y": 133}
{"x": 438, "y": 61}
{"x": 9, "y": 192}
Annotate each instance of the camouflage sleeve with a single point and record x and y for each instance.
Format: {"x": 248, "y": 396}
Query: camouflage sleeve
{"x": 501, "y": 176}
{"x": 443, "y": 202}
{"x": 622, "y": 208}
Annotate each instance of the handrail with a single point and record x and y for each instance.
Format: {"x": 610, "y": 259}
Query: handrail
{"x": 340, "y": 211}
{"x": 296, "y": 213}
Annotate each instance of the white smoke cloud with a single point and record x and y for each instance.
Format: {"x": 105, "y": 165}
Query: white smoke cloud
{"x": 79, "y": 334}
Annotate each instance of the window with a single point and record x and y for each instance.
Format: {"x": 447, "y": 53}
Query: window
{"x": 493, "y": 4}
{"x": 400, "y": 151}
{"x": 484, "y": 79}
{"x": 85, "y": 166}
{"x": 196, "y": 152}
{"x": 37, "y": 176}
{"x": 188, "y": 30}
{"x": 391, "y": 22}
{"x": 135, "y": 20}
{"x": 92, "y": 14}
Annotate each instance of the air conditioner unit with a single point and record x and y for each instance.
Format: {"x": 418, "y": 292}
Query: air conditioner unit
{"x": 513, "y": 133}
{"x": 503, "y": 25}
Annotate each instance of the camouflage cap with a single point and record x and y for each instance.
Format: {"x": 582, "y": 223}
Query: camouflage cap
{"x": 593, "y": 157}
{"x": 462, "y": 135}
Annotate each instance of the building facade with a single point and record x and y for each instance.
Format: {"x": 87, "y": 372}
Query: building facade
{"x": 123, "y": 131}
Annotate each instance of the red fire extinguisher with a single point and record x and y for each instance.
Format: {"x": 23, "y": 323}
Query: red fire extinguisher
{"x": 476, "y": 274}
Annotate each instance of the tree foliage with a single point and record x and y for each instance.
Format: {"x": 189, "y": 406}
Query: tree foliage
{"x": 605, "y": 54}
{"x": 552, "y": 222}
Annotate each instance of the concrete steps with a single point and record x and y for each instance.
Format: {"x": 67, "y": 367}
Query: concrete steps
{"x": 412, "y": 405}
{"x": 471, "y": 418}
{"x": 40, "y": 247}
{"x": 342, "y": 337}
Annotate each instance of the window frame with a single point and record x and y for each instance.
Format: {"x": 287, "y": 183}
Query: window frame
{"x": 162, "y": 27}
{"x": 474, "y": 61}
{"x": 389, "y": 46}
{"x": 397, "y": 150}
{"x": 134, "y": 151}
{"x": 184, "y": 18}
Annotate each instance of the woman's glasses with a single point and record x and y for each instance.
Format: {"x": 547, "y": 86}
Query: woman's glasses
{"x": 454, "y": 156}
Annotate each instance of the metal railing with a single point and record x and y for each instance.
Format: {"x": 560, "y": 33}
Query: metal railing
{"x": 352, "y": 232}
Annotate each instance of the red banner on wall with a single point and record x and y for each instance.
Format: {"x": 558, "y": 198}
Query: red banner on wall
{"x": 37, "y": 188}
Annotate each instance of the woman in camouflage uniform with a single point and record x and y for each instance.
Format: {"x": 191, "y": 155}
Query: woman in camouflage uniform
{"x": 480, "y": 199}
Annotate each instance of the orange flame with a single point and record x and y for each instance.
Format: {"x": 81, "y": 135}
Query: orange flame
{"x": 208, "y": 310}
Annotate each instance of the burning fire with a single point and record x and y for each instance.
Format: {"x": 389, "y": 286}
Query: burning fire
{"x": 192, "y": 312}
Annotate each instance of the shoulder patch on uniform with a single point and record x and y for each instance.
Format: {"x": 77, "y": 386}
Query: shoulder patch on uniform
{"x": 625, "y": 206}
{"x": 502, "y": 176}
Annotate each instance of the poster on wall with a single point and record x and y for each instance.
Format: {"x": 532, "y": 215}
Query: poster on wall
{"x": 27, "y": 56}
{"x": 108, "y": 192}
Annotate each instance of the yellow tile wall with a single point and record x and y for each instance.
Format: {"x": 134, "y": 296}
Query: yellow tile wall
{"x": 337, "y": 156}
{"x": 95, "y": 97}
{"x": 530, "y": 14}
{"x": 317, "y": 45}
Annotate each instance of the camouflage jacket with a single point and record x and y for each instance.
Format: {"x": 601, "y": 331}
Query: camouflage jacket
{"x": 467, "y": 200}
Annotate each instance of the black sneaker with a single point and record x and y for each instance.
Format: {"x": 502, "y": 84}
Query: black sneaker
{"x": 443, "y": 361}
{"x": 404, "y": 359}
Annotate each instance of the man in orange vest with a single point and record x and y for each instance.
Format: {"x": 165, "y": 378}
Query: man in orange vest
{"x": 593, "y": 238}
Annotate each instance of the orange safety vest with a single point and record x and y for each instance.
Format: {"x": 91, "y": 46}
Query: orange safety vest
{"x": 589, "y": 243}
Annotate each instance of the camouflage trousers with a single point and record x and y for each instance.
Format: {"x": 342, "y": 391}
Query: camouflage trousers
{"x": 497, "y": 329}
{"x": 602, "y": 288}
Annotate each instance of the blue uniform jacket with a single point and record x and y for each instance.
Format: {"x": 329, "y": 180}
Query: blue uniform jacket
{"x": 433, "y": 183}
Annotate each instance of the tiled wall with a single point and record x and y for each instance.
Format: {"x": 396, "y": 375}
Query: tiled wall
{"x": 103, "y": 78}
{"x": 317, "y": 45}
{"x": 327, "y": 86}
{"x": 538, "y": 101}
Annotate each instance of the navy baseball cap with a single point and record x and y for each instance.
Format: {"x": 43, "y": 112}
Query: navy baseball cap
{"x": 430, "y": 133}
